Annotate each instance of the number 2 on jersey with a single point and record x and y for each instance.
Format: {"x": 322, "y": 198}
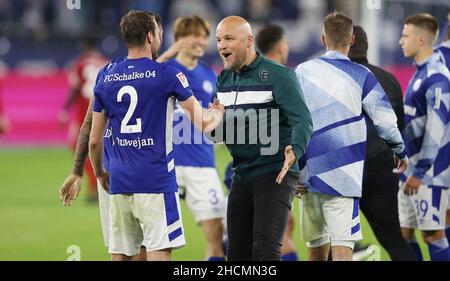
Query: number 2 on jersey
{"x": 124, "y": 127}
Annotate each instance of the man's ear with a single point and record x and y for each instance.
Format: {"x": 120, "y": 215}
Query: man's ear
{"x": 422, "y": 39}
{"x": 150, "y": 37}
{"x": 323, "y": 40}
{"x": 278, "y": 48}
{"x": 250, "y": 41}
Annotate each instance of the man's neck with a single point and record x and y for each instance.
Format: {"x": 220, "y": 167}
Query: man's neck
{"x": 422, "y": 55}
{"x": 187, "y": 61}
{"x": 138, "y": 53}
{"x": 342, "y": 50}
{"x": 250, "y": 58}
{"x": 273, "y": 56}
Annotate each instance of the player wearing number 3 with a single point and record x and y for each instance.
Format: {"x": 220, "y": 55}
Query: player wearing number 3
{"x": 138, "y": 95}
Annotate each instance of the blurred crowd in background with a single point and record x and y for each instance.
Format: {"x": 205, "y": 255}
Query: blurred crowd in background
{"x": 40, "y": 38}
{"x": 32, "y": 30}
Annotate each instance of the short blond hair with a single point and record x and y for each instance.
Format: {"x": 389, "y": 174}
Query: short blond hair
{"x": 338, "y": 29}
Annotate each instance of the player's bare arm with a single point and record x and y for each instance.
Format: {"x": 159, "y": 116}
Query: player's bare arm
{"x": 82, "y": 149}
{"x": 173, "y": 50}
{"x": 204, "y": 120}
{"x": 4, "y": 125}
{"x": 99, "y": 121}
{"x": 73, "y": 183}
{"x": 63, "y": 115}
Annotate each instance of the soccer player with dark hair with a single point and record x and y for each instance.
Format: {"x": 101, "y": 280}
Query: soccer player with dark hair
{"x": 71, "y": 187}
{"x": 272, "y": 42}
{"x": 380, "y": 186}
{"x": 423, "y": 193}
{"x": 340, "y": 94}
{"x": 137, "y": 95}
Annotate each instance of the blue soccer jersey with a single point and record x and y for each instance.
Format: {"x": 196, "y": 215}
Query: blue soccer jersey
{"x": 107, "y": 146}
{"x": 191, "y": 148}
{"x": 340, "y": 93}
{"x": 443, "y": 52}
{"x": 426, "y": 133}
{"x": 138, "y": 96}
{"x": 443, "y": 158}
{"x": 107, "y": 137}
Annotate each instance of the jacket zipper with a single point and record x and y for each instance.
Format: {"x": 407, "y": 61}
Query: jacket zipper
{"x": 237, "y": 93}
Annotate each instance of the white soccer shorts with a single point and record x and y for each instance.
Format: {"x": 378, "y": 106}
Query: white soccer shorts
{"x": 103, "y": 204}
{"x": 325, "y": 218}
{"x": 448, "y": 203}
{"x": 204, "y": 193}
{"x": 425, "y": 210}
{"x": 152, "y": 220}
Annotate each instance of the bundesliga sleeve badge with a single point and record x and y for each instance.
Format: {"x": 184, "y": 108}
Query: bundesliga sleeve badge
{"x": 183, "y": 80}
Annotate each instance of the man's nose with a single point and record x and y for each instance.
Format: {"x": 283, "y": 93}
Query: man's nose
{"x": 222, "y": 45}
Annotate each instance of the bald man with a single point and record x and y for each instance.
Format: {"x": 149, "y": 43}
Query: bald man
{"x": 257, "y": 92}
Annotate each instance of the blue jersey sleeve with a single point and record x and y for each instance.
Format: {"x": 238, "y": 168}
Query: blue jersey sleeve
{"x": 437, "y": 95}
{"x": 98, "y": 104}
{"x": 378, "y": 108}
{"x": 177, "y": 82}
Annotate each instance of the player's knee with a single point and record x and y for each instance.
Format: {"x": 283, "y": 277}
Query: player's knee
{"x": 213, "y": 228}
{"x": 266, "y": 250}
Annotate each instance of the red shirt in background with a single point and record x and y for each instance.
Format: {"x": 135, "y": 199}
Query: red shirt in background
{"x": 82, "y": 77}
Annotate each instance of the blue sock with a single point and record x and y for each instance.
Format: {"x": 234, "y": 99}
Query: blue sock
{"x": 439, "y": 250}
{"x": 447, "y": 232}
{"x": 216, "y": 259}
{"x": 415, "y": 247}
{"x": 292, "y": 256}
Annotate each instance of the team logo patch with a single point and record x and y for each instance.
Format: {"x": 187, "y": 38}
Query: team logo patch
{"x": 264, "y": 74}
{"x": 208, "y": 87}
{"x": 183, "y": 80}
{"x": 417, "y": 84}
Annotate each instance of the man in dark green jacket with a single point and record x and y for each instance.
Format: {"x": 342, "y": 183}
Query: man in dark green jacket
{"x": 266, "y": 128}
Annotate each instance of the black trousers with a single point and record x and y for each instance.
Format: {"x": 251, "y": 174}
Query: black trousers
{"x": 257, "y": 216}
{"x": 380, "y": 206}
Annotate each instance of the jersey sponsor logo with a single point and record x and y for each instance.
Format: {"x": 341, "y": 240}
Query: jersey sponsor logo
{"x": 183, "y": 80}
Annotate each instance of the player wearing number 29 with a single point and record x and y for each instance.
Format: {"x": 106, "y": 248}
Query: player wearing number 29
{"x": 138, "y": 95}
{"x": 422, "y": 197}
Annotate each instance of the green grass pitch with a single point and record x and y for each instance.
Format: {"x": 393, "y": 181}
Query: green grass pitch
{"x": 35, "y": 226}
